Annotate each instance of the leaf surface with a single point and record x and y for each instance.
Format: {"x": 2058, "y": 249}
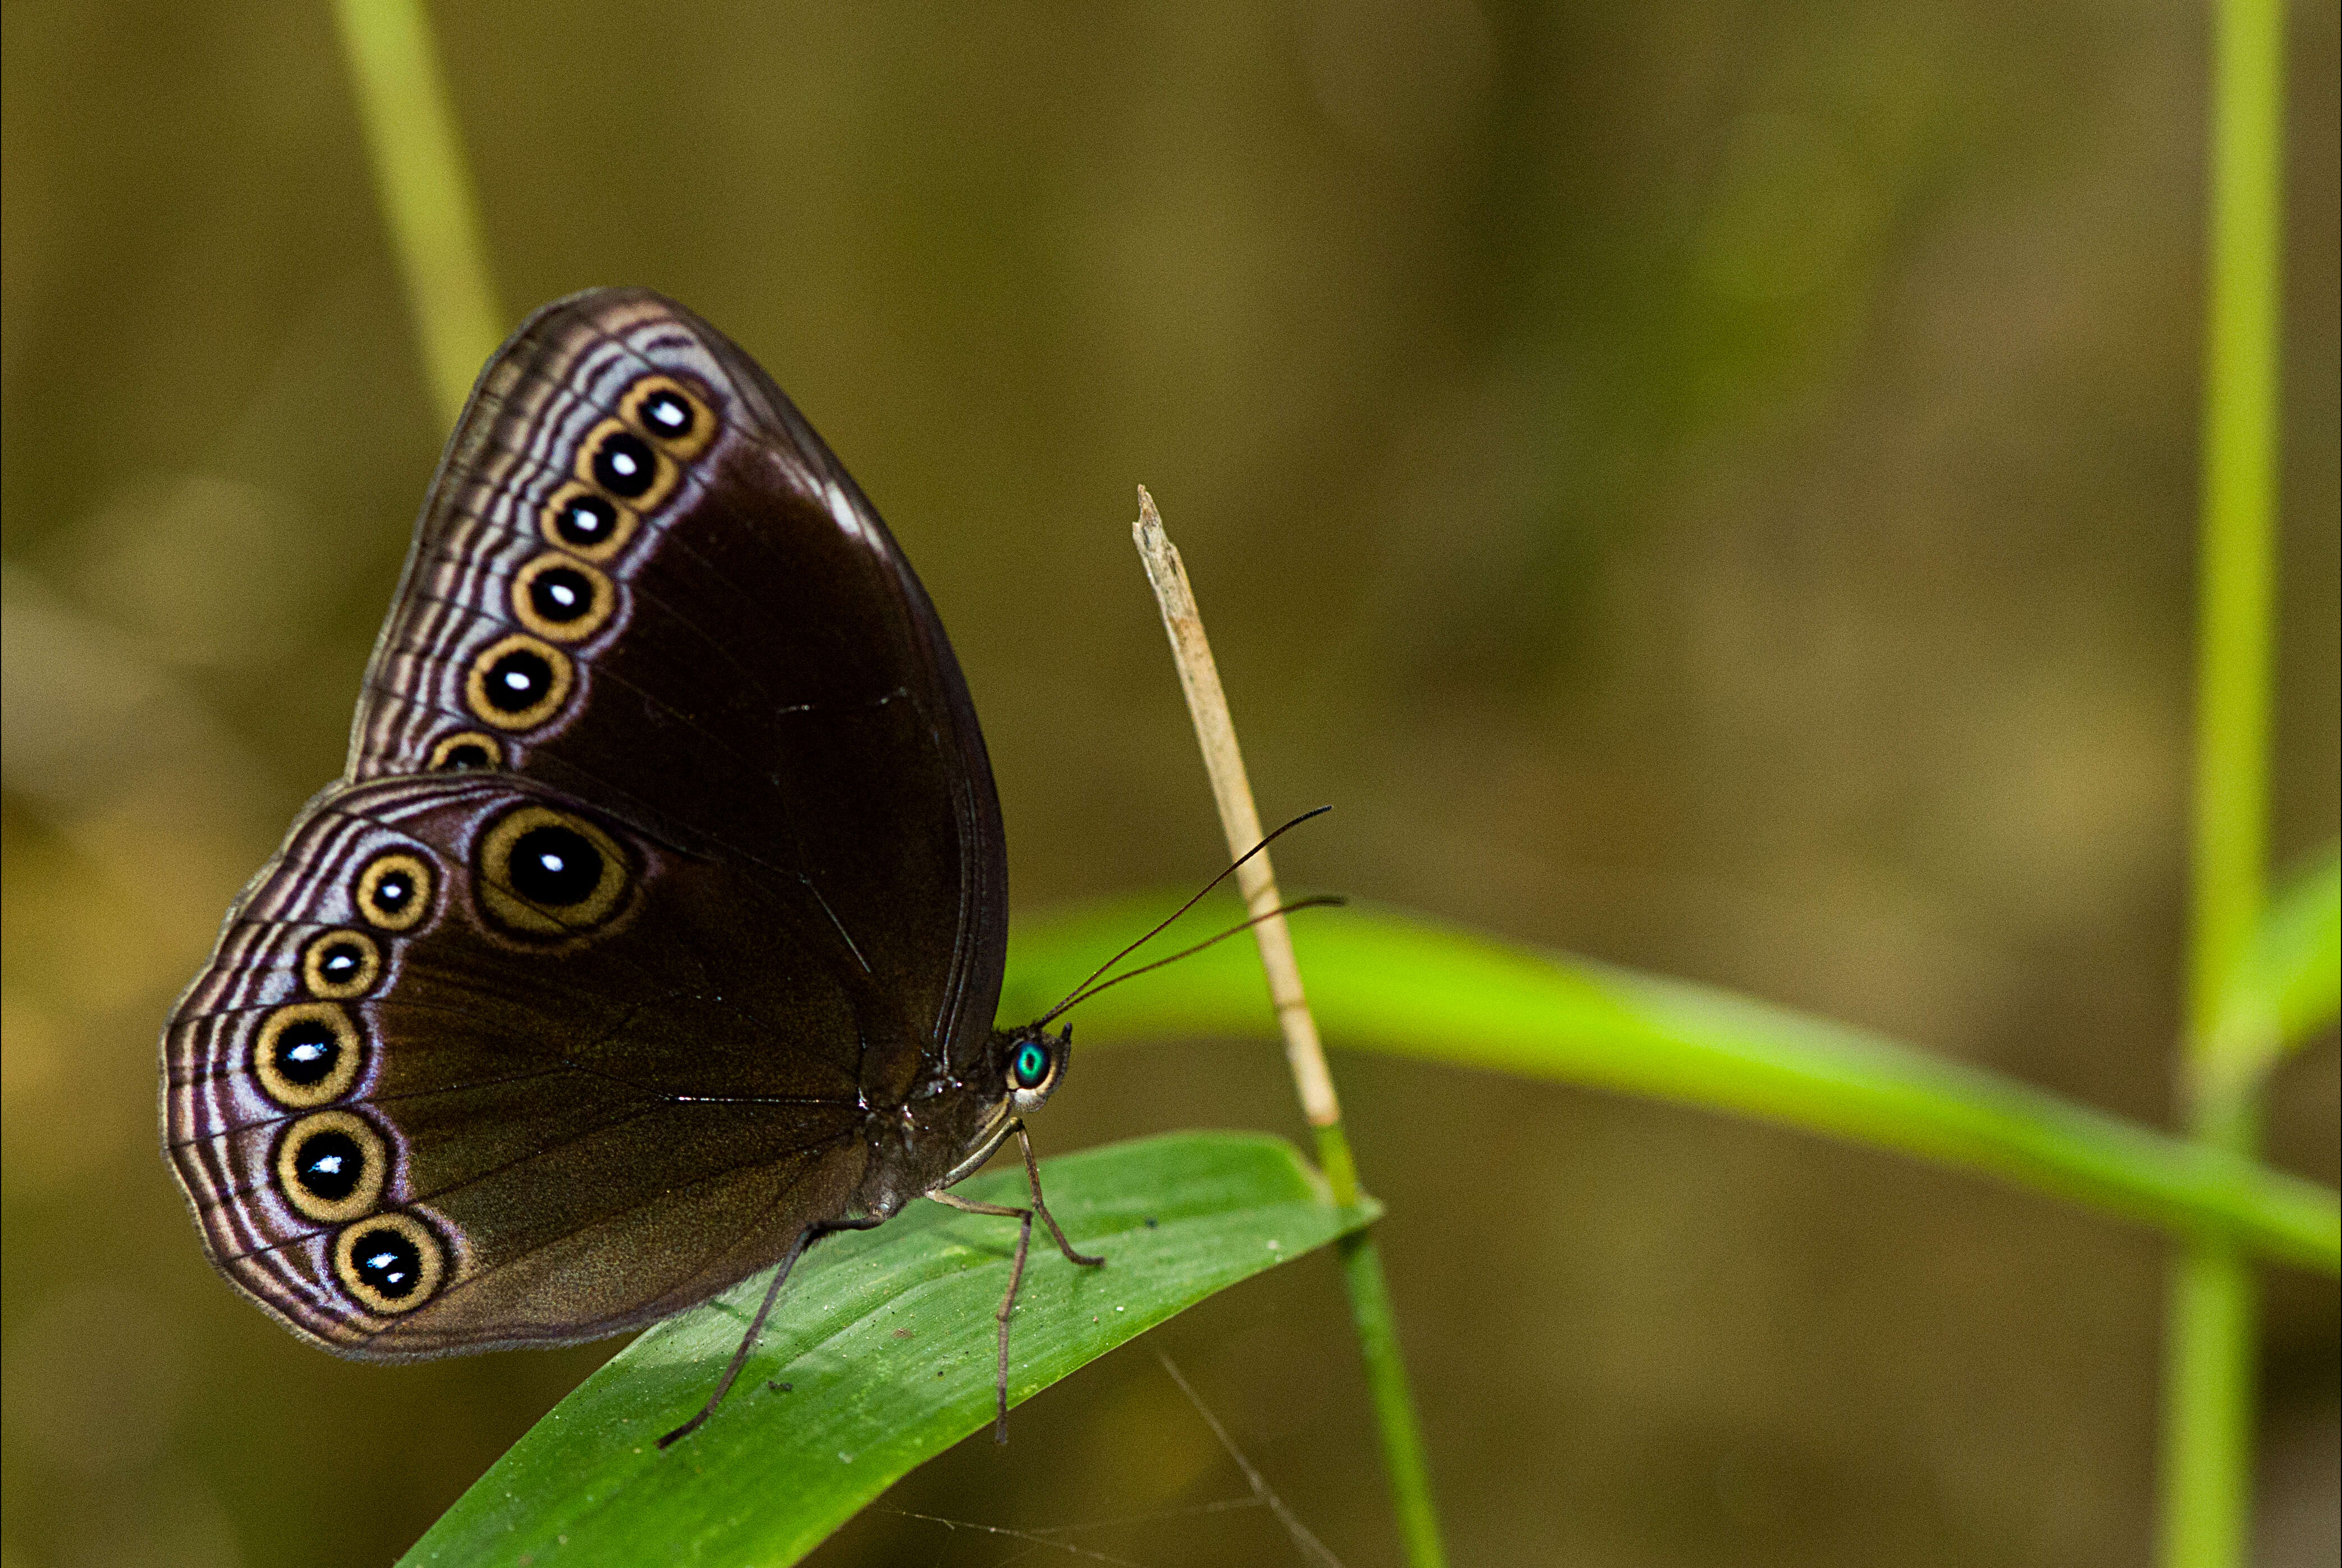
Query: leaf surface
{"x": 886, "y": 1339}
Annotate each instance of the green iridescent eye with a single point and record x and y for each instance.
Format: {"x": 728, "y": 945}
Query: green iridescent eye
{"x": 1029, "y": 1065}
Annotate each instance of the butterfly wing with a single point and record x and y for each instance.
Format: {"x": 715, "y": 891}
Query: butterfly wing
{"x": 423, "y": 1102}
{"x": 475, "y": 1066}
{"x": 641, "y": 577}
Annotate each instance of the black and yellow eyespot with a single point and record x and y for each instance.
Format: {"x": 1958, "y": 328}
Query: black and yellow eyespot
{"x": 341, "y": 965}
{"x": 587, "y": 523}
{"x": 670, "y": 413}
{"x": 561, "y": 598}
{"x": 390, "y": 1262}
{"x": 518, "y": 682}
{"x": 618, "y": 462}
{"x": 394, "y": 891}
{"x": 332, "y": 1166}
{"x": 466, "y": 749}
{"x": 546, "y": 873}
{"x": 307, "y": 1054}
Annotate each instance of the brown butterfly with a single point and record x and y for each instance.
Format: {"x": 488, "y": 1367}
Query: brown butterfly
{"x": 656, "y": 926}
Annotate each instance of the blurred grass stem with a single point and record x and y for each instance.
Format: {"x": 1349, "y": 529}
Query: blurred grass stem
{"x": 2211, "y": 1345}
{"x": 426, "y": 192}
{"x": 1362, "y": 1266}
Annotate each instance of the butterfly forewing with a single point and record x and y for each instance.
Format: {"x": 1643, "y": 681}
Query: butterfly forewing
{"x": 748, "y": 667}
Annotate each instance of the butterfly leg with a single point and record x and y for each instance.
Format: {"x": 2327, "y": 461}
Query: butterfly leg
{"x": 1017, "y": 1269}
{"x": 1007, "y": 1303}
{"x": 1033, "y": 1179}
{"x": 805, "y": 1238}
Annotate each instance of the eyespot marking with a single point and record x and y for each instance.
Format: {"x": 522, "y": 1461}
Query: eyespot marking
{"x": 670, "y": 413}
{"x": 307, "y": 1054}
{"x": 466, "y": 749}
{"x": 390, "y": 1263}
{"x": 617, "y": 461}
{"x": 331, "y": 1166}
{"x": 565, "y": 600}
{"x": 341, "y": 965}
{"x": 546, "y": 873}
{"x": 587, "y": 523}
{"x": 518, "y": 682}
{"x": 394, "y": 892}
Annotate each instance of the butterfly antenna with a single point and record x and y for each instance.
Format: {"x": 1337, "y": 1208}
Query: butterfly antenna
{"x": 1157, "y": 930}
{"x": 1317, "y": 901}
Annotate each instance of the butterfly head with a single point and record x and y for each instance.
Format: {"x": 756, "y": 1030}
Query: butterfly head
{"x": 1017, "y": 1074}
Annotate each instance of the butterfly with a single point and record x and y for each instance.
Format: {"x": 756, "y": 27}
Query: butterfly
{"x": 655, "y": 926}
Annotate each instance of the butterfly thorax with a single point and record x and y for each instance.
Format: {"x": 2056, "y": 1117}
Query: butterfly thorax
{"x": 954, "y": 1121}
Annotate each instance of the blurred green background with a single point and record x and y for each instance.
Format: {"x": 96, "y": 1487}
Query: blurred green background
{"x": 1709, "y": 486}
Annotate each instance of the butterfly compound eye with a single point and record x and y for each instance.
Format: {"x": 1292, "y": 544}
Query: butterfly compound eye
{"x": 1028, "y": 1068}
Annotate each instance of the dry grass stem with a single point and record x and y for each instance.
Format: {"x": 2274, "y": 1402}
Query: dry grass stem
{"x": 1215, "y": 732}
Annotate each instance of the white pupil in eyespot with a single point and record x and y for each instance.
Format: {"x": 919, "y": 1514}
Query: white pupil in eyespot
{"x": 562, "y": 593}
{"x": 553, "y": 863}
{"x": 516, "y": 681}
{"x": 327, "y": 1164}
{"x": 307, "y": 1052}
{"x": 623, "y": 462}
{"x": 387, "y": 1263}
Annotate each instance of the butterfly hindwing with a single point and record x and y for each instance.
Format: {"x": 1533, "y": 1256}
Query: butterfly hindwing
{"x": 476, "y": 1065}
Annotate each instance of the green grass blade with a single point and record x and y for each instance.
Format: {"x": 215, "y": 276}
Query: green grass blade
{"x": 2288, "y": 985}
{"x": 1384, "y": 981}
{"x": 2300, "y": 949}
{"x": 425, "y": 188}
{"x": 773, "y": 1474}
{"x": 2210, "y": 1396}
